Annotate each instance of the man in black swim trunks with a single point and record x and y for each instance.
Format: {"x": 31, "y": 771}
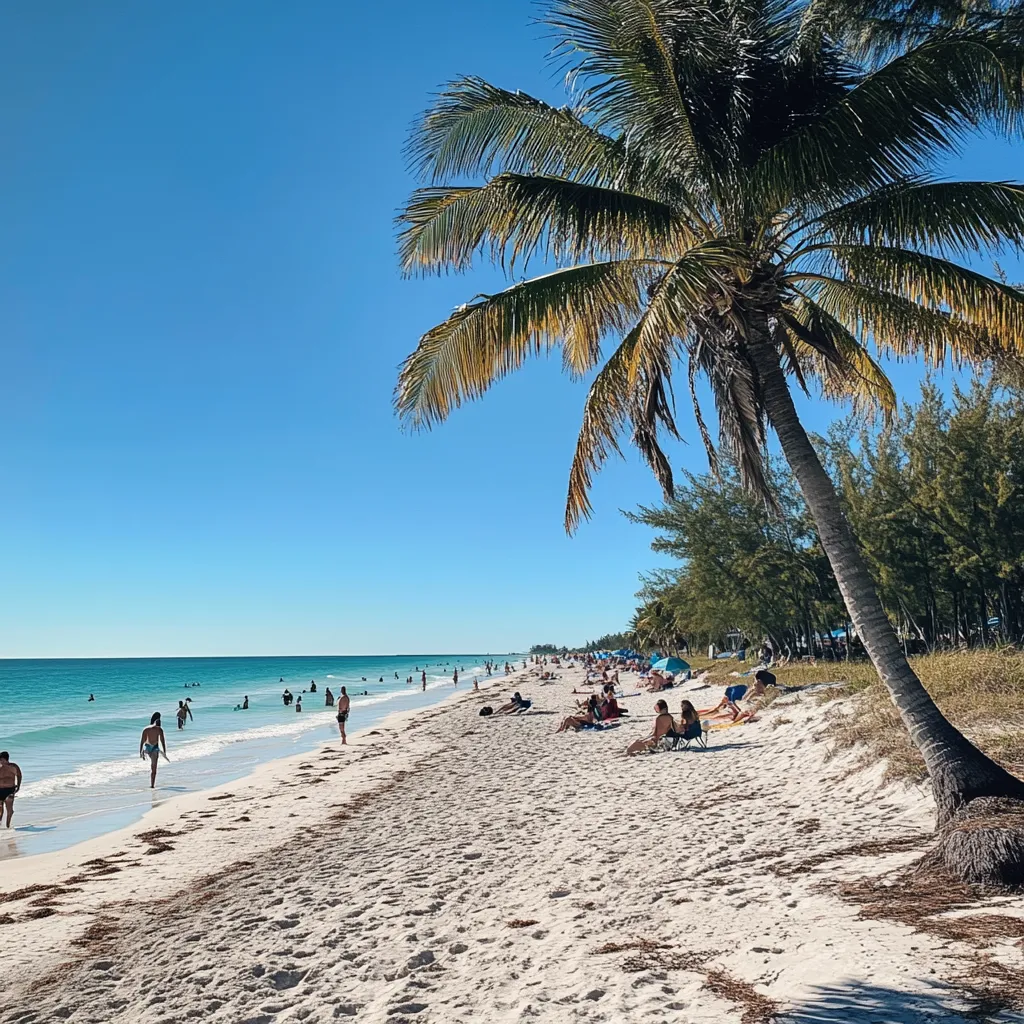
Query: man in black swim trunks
{"x": 10, "y": 783}
{"x": 343, "y": 703}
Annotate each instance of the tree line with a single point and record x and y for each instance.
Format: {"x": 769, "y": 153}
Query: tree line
{"x": 935, "y": 498}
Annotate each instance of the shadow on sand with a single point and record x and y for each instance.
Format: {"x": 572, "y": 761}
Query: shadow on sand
{"x": 862, "y": 1003}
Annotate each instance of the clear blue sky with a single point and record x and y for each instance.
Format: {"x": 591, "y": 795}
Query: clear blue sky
{"x": 200, "y": 322}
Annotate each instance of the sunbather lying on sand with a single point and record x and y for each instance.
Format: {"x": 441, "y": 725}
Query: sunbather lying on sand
{"x": 664, "y": 725}
{"x": 515, "y": 705}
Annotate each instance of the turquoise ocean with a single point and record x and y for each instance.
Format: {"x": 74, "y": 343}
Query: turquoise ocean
{"x": 82, "y": 772}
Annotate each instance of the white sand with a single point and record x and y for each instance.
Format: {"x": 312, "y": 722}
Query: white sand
{"x": 380, "y": 883}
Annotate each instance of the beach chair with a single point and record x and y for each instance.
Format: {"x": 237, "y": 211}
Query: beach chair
{"x": 695, "y": 733}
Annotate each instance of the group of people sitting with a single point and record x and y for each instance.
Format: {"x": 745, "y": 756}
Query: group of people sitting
{"x": 598, "y": 711}
{"x": 686, "y": 727}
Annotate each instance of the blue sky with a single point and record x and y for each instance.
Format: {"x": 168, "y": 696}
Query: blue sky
{"x": 200, "y": 321}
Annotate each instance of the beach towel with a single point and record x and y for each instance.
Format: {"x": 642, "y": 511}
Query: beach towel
{"x": 729, "y": 725}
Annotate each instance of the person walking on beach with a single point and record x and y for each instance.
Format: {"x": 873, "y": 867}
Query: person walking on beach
{"x": 150, "y": 745}
{"x": 343, "y": 704}
{"x": 10, "y": 783}
{"x": 184, "y": 711}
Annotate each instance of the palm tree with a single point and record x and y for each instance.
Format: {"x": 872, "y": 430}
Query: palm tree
{"x": 741, "y": 190}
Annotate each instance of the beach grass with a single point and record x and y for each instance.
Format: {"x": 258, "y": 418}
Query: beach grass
{"x": 980, "y": 692}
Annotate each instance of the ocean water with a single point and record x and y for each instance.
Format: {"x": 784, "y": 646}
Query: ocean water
{"x": 80, "y": 758}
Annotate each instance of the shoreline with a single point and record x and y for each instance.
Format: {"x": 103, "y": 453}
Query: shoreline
{"x": 52, "y": 823}
{"x": 22, "y": 870}
{"x": 452, "y": 869}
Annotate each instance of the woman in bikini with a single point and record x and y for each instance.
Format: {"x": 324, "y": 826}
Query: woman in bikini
{"x": 150, "y": 746}
{"x": 591, "y": 718}
{"x": 664, "y": 725}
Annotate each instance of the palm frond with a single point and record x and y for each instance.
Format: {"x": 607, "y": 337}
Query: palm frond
{"x": 952, "y": 217}
{"x": 628, "y": 55}
{"x": 679, "y": 299}
{"x": 834, "y": 356}
{"x": 940, "y": 286}
{"x": 903, "y": 328}
{"x": 617, "y": 397}
{"x": 475, "y": 128}
{"x": 515, "y": 217}
{"x": 741, "y": 425}
{"x": 604, "y": 415}
{"x": 876, "y": 30}
{"x": 913, "y": 108}
{"x": 482, "y": 341}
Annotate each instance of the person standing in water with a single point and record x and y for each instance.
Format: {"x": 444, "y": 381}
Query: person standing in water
{"x": 150, "y": 745}
{"x": 184, "y": 711}
{"x": 455, "y": 677}
{"x": 343, "y": 705}
{"x": 245, "y": 703}
{"x": 10, "y": 783}
{"x": 329, "y": 698}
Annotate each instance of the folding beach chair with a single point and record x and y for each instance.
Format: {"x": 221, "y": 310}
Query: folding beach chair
{"x": 695, "y": 733}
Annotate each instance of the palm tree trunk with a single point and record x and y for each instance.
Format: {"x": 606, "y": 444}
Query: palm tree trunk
{"x": 959, "y": 771}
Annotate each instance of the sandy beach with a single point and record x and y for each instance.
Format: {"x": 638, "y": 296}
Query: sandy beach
{"x": 450, "y": 868}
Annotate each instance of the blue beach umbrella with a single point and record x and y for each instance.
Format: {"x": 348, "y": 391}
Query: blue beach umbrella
{"x": 673, "y": 665}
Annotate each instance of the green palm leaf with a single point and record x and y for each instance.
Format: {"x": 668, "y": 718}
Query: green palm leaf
{"x": 902, "y": 327}
{"x": 831, "y": 353}
{"x": 491, "y": 336}
{"x": 629, "y": 55}
{"x": 515, "y": 217}
{"x": 955, "y": 217}
{"x": 911, "y": 109}
{"x": 475, "y": 128}
{"x": 940, "y": 286}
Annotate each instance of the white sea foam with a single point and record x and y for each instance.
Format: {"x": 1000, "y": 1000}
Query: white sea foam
{"x": 100, "y": 773}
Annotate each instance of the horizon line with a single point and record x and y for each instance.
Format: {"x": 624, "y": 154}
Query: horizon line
{"x": 211, "y": 657}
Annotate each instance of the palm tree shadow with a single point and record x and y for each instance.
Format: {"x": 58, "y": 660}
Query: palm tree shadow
{"x": 863, "y": 1003}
